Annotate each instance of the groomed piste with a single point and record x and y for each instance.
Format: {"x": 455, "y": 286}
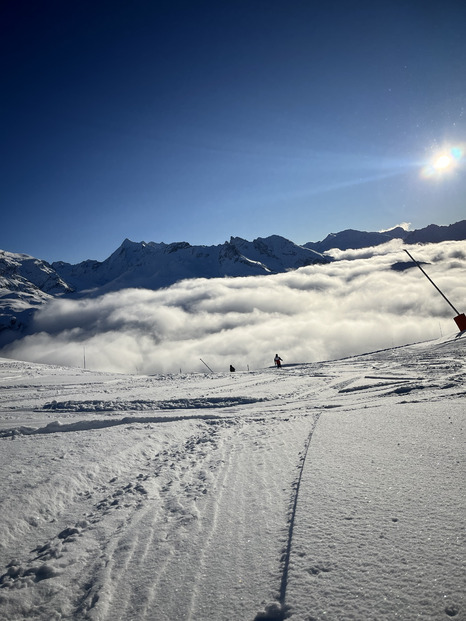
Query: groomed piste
{"x": 324, "y": 491}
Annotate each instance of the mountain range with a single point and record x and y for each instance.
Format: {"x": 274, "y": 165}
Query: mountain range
{"x": 155, "y": 265}
{"x": 26, "y": 282}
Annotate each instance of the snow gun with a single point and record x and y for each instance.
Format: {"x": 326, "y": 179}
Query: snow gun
{"x": 460, "y": 318}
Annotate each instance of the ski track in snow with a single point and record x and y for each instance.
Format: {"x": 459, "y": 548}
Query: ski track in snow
{"x": 284, "y": 500}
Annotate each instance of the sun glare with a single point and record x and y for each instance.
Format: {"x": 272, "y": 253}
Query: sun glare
{"x": 442, "y": 162}
{"x": 445, "y": 161}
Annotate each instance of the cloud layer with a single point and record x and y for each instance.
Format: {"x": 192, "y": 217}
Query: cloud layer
{"x": 353, "y": 305}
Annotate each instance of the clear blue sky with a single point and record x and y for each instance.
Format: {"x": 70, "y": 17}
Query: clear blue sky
{"x": 193, "y": 121}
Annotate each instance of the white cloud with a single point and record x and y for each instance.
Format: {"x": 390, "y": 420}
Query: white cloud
{"x": 353, "y": 305}
{"x": 404, "y": 225}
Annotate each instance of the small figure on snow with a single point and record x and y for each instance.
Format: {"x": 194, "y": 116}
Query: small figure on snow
{"x": 278, "y": 361}
{"x": 232, "y": 368}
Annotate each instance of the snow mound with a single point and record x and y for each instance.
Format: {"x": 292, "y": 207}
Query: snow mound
{"x": 140, "y": 404}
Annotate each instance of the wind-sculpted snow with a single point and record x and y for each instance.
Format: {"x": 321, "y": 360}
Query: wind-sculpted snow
{"x": 142, "y": 404}
{"x": 115, "y": 407}
{"x": 89, "y": 425}
{"x": 332, "y": 490}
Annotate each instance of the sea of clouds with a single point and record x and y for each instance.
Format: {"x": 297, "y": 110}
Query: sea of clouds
{"x": 355, "y": 304}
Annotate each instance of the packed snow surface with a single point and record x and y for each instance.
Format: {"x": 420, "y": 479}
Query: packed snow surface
{"x": 324, "y": 491}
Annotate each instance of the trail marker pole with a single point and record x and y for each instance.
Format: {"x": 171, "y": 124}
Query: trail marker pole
{"x": 206, "y": 365}
{"x": 460, "y": 318}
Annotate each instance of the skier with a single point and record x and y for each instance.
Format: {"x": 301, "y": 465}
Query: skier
{"x": 278, "y": 361}
{"x": 232, "y": 368}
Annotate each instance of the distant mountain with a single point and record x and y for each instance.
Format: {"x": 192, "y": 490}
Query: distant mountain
{"x": 435, "y": 234}
{"x": 26, "y": 283}
{"x": 155, "y": 265}
{"x": 351, "y": 239}
{"x": 355, "y": 240}
{"x": 22, "y": 273}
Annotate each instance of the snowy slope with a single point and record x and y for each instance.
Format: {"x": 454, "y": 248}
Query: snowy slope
{"x": 330, "y": 490}
{"x": 25, "y": 284}
{"x": 278, "y": 253}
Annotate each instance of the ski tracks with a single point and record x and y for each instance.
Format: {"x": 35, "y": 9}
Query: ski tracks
{"x": 123, "y": 530}
{"x": 194, "y": 522}
{"x": 242, "y": 563}
{"x": 148, "y": 566}
{"x": 209, "y": 540}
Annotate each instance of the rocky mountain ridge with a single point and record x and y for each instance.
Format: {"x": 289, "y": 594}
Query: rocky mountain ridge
{"x": 26, "y": 282}
{"x": 154, "y": 265}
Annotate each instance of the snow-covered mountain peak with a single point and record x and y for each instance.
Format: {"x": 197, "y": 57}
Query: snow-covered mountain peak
{"x": 18, "y": 269}
{"x": 153, "y": 265}
{"x": 26, "y": 282}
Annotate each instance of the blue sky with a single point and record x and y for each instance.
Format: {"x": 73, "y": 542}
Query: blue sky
{"x": 194, "y": 121}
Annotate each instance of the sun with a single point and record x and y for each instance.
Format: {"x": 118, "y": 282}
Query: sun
{"x": 444, "y": 162}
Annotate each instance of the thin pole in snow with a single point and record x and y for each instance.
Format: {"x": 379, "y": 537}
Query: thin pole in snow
{"x": 428, "y": 278}
{"x": 84, "y": 356}
{"x": 206, "y": 365}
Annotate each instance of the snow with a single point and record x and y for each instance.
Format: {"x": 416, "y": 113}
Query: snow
{"x": 323, "y": 491}
{"x": 156, "y": 265}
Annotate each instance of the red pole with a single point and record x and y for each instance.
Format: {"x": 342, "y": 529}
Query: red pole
{"x": 460, "y": 319}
